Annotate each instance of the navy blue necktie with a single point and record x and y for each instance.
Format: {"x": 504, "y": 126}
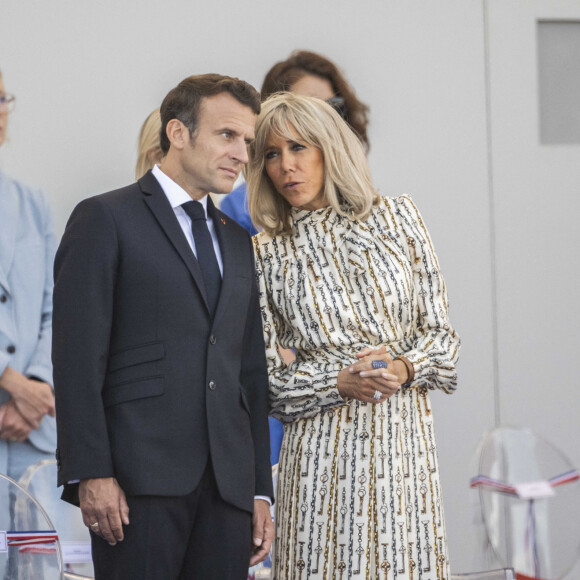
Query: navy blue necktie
{"x": 205, "y": 253}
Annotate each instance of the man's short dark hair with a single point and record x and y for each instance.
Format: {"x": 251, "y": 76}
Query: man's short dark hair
{"x": 184, "y": 101}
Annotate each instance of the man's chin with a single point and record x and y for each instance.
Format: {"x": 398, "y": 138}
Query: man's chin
{"x": 225, "y": 187}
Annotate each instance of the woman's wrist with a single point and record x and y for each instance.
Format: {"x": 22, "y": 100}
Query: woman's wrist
{"x": 10, "y": 380}
{"x": 407, "y": 373}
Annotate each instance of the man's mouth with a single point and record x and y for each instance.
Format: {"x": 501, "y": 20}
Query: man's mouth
{"x": 232, "y": 172}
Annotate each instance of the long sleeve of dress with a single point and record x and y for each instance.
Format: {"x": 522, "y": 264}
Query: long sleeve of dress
{"x": 434, "y": 344}
{"x": 305, "y": 387}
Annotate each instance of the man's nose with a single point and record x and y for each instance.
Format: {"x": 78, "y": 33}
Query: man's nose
{"x": 241, "y": 152}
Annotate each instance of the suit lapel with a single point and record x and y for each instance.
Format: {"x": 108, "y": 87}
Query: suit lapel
{"x": 163, "y": 212}
{"x": 230, "y": 255}
{"x": 9, "y": 218}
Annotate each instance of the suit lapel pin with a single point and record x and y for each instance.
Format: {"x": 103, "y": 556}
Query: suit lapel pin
{"x": 223, "y": 221}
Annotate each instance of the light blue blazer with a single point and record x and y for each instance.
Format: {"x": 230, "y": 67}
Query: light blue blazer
{"x": 27, "y": 247}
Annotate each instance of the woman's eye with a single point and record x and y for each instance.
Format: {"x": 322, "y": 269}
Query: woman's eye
{"x": 298, "y": 147}
{"x": 270, "y": 155}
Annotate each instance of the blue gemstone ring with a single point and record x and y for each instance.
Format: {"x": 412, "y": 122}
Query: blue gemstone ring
{"x": 379, "y": 364}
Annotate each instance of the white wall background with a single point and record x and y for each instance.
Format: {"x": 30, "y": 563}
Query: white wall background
{"x": 452, "y": 87}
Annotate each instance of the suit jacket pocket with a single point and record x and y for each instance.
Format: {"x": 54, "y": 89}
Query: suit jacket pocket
{"x": 130, "y": 391}
{"x": 137, "y": 355}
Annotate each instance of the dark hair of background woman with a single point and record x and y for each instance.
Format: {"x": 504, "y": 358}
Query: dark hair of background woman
{"x": 284, "y": 74}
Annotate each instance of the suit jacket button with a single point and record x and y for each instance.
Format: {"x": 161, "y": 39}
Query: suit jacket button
{"x": 212, "y": 339}
{"x": 3, "y": 298}
{"x": 212, "y": 385}
{"x": 11, "y": 349}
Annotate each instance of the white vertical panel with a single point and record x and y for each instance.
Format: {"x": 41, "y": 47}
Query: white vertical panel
{"x": 537, "y": 192}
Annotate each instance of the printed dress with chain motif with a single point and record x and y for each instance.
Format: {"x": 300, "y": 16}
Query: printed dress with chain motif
{"x": 358, "y": 487}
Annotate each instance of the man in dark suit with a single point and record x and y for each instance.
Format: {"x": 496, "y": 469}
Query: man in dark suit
{"x": 159, "y": 364}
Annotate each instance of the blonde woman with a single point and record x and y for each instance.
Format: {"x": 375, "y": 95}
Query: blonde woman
{"x": 350, "y": 280}
{"x": 148, "y": 148}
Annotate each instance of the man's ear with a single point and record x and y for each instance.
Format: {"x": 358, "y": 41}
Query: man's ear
{"x": 177, "y": 133}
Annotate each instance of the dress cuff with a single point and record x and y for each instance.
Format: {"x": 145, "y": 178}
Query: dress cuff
{"x": 410, "y": 371}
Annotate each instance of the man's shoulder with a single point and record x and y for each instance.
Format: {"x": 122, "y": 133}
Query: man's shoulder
{"x": 115, "y": 198}
{"x": 126, "y": 193}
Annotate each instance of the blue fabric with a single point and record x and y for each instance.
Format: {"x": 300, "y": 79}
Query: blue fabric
{"x": 276, "y": 434}
{"x": 21, "y": 455}
{"x": 235, "y": 205}
{"x": 26, "y": 257}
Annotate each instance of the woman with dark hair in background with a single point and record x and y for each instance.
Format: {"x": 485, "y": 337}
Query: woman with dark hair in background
{"x": 310, "y": 74}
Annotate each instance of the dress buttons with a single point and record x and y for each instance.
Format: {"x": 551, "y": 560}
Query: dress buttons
{"x": 212, "y": 339}
{"x": 11, "y": 349}
{"x": 3, "y": 298}
{"x": 212, "y": 385}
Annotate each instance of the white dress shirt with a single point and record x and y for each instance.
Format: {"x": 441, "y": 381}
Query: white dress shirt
{"x": 177, "y": 196}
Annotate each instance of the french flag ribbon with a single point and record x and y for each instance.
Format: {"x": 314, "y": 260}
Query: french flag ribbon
{"x": 567, "y": 477}
{"x": 31, "y": 538}
{"x": 502, "y": 487}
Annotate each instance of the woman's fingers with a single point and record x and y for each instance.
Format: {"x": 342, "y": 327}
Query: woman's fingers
{"x": 378, "y": 373}
{"x": 365, "y": 385}
{"x": 378, "y": 362}
{"x": 370, "y": 388}
{"x": 370, "y": 351}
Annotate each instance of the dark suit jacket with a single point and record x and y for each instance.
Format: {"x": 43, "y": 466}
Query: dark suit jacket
{"x": 147, "y": 385}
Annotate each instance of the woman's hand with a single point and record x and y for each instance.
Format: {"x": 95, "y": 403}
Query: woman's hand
{"x": 396, "y": 367}
{"x": 13, "y": 426}
{"x": 364, "y": 382}
{"x": 33, "y": 399}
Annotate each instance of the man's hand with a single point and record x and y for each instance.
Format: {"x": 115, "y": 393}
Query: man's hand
{"x": 103, "y": 502}
{"x": 33, "y": 399}
{"x": 262, "y": 531}
{"x": 13, "y": 426}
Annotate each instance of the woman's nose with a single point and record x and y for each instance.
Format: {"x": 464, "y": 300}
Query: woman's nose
{"x": 287, "y": 162}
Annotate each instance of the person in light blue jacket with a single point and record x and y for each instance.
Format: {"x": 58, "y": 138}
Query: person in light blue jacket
{"x": 27, "y": 244}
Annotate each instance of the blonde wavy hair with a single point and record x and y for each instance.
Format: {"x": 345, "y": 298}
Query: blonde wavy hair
{"x": 348, "y": 188}
{"x": 148, "y": 148}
